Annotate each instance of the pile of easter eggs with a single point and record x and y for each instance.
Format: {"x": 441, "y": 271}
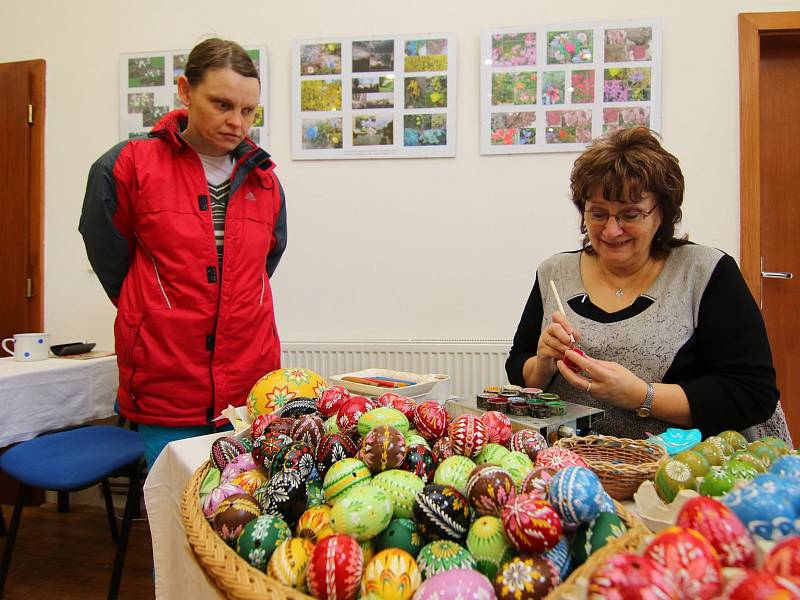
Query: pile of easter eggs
{"x": 338, "y": 495}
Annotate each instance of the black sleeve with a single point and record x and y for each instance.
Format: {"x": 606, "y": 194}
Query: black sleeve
{"x": 527, "y": 337}
{"x": 733, "y": 386}
{"x": 279, "y": 231}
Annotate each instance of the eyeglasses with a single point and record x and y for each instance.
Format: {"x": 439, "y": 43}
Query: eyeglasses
{"x": 628, "y": 217}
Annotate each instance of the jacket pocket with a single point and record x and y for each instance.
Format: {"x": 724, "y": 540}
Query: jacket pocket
{"x": 155, "y": 273}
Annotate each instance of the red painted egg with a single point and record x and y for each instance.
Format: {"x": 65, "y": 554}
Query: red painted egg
{"x": 441, "y": 450}
{"x": 532, "y": 525}
{"x": 759, "y": 585}
{"x": 387, "y": 399}
{"x": 259, "y": 425}
{"x": 431, "y": 420}
{"x": 721, "y": 527}
{"x": 498, "y": 427}
{"x": 784, "y": 558}
{"x": 489, "y": 489}
{"x": 690, "y": 558}
{"x": 280, "y": 425}
{"x": 405, "y": 405}
{"x": 335, "y": 568}
{"x": 467, "y": 435}
{"x": 351, "y": 411}
{"x": 558, "y": 458}
{"x": 628, "y": 576}
{"x": 528, "y": 441}
{"x": 331, "y": 400}
{"x": 537, "y": 482}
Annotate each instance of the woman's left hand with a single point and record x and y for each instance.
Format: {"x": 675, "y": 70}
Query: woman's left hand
{"x": 604, "y": 380}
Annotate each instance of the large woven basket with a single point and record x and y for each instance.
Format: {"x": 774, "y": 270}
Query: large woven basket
{"x": 234, "y": 577}
{"x": 622, "y": 464}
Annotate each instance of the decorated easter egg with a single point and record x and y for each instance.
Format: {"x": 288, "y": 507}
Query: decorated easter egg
{"x": 297, "y": 456}
{"x": 298, "y": 407}
{"x": 489, "y": 489}
{"x": 788, "y": 465}
{"x": 415, "y": 439}
{"x": 454, "y": 471}
{"x": 725, "y": 447}
{"x": 259, "y": 425}
{"x": 224, "y": 450}
{"x": 716, "y": 483}
{"x": 441, "y": 449}
{"x": 627, "y": 576}
{"x": 721, "y": 527}
{"x": 526, "y": 577}
{"x": 386, "y": 399}
{"x": 531, "y": 525}
{"x": 315, "y": 495}
{"x": 787, "y": 486}
{"x": 784, "y": 558}
{"x": 351, "y": 412}
{"x": 740, "y": 469}
{"x": 498, "y": 427}
{"x": 690, "y": 558}
{"x": 673, "y": 476}
{"x": 757, "y": 463}
{"x": 335, "y": 568}
{"x": 382, "y": 416}
{"x": 217, "y": 495}
{"x": 488, "y": 544}
{"x": 558, "y": 458}
{"x": 777, "y": 443}
{"x": 561, "y": 557}
{"x": 431, "y": 420}
{"x": 260, "y": 537}
{"x": 280, "y": 425}
{"x": 362, "y": 515}
{"x": 239, "y": 464}
{"x": 400, "y": 533}
{"x": 529, "y": 441}
{"x": 765, "y": 513}
{"x": 232, "y": 514}
{"x": 276, "y": 388}
{"x": 467, "y": 435}
{"x": 491, "y": 454}
{"x": 401, "y": 487}
{"x": 518, "y": 465}
{"x": 711, "y": 452}
{"x": 331, "y": 400}
{"x": 456, "y": 584}
{"x": 267, "y": 447}
{"x": 756, "y": 585}
{"x": 384, "y": 448}
{"x": 735, "y": 439}
{"x": 289, "y": 562}
{"x": 330, "y": 424}
{"x": 443, "y": 555}
{"x": 332, "y": 448}
{"x": 391, "y": 574}
{"x": 419, "y": 461}
{"x": 405, "y": 405}
{"x": 285, "y": 494}
{"x": 695, "y": 461}
{"x": 251, "y": 480}
{"x": 344, "y": 476}
{"x": 441, "y": 512}
{"x": 315, "y": 523}
{"x": 537, "y": 482}
{"x": 577, "y": 495}
{"x": 367, "y": 550}
{"x": 309, "y": 430}
{"x": 592, "y": 536}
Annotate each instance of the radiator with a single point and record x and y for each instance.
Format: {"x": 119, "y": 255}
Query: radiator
{"x": 471, "y": 364}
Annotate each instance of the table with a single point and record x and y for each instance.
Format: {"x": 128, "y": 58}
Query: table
{"x": 50, "y": 394}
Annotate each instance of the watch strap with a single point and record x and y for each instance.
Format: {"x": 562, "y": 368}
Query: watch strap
{"x": 647, "y": 405}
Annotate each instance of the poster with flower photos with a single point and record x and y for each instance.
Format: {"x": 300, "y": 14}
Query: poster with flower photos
{"x": 553, "y": 88}
{"x": 390, "y": 96}
{"x": 148, "y": 85}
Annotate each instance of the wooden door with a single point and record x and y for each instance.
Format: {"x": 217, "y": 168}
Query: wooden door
{"x": 770, "y": 172}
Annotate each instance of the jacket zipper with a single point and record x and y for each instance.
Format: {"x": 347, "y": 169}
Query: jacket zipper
{"x": 155, "y": 268}
{"x": 263, "y": 287}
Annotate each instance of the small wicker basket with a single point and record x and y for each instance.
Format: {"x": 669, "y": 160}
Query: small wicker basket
{"x": 622, "y": 464}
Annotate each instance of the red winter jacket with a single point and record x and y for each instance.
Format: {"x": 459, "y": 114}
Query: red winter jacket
{"x": 189, "y": 341}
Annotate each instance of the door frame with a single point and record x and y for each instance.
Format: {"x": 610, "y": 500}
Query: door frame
{"x": 752, "y": 27}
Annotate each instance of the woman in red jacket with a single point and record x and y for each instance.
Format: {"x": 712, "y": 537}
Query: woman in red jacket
{"x": 184, "y": 229}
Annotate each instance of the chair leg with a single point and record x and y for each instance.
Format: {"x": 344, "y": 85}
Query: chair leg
{"x": 12, "y": 536}
{"x": 63, "y": 502}
{"x": 2, "y": 524}
{"x": 112, "y": 519}
{"x": 130, "y": 505}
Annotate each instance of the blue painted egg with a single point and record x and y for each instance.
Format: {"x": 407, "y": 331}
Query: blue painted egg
{"x": 577, "y": 495}
{"x": 788, "y": 465}
{"x": 769, "y": 515}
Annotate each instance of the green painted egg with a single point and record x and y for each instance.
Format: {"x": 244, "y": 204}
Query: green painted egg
{"x": 412, "y": 439}
{"x": 695, "y": 461}
{"x": 454, "y": 471}
{"x": 401, "y": 487}
{"x": 735, "y": 439}
{"x": 766, "y": 452}
{"x": 345, "y": 475}
{"x": 518, "y": 465}
{"x": 260, "y": 537}
{"x": 315, "y": 494}
{"x": 711, "y": 452}
{"x": 594, "y": 535}
{"x": 776, "y": 443}
{"x": 362, "y": 513}
{"x": 488, "y": 544}
{"x": 383, "y": 415}
{"x": 443, "y": 555}
{"x": 716, "y": 483}
{"x": 757, "y": 462}
{"x": 740, "y": 469}
{"x": 671, "y": 477}
{"x": 492, "y": 454}
{"x": 400, "y": 533}
{"x": 331, "y": 426}
{"x": 725, "y": 446}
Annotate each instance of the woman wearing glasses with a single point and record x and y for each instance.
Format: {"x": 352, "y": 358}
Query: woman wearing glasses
{"x": 671, "y": 333}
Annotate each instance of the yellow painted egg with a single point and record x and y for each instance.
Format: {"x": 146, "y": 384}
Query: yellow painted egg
{"x": 276, "y": 388}
{"x": 289, "y": 562}
{"x": 391, "y": 574}
{"x": 315, "y": 523}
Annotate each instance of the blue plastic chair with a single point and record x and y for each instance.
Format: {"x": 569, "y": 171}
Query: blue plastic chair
{"x": 72, "y": 460}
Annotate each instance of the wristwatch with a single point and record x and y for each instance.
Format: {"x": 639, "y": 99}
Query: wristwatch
{"x": 644, "y": 410}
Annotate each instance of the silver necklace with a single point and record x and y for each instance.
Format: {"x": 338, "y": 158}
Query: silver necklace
{"x": 619, "y": 293}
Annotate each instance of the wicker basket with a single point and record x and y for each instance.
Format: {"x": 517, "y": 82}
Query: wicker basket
{"x": 622, "y": 464}
{"x": 234, "y": 577}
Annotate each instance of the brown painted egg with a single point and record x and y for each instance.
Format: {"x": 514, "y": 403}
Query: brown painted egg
{"x": 722, "y": 528}
{"x": 537, "y": 482}
{"x": 331, "y": 400}
{"x": 335, "y": 568}
{"x": 431, "y": 420}
{"x": 384, "y": 448}
{"x": 784, "y": 558}
{"x": 526, "y": 578}
{"x": 332, "y": 448}
{"x": 224, "y": 450}
{"x": 533, "y": 526}
{"x": 289, "y": 562}
{"x": 628, "y": 576}
{"x": 489, "y": 489}
{"x": 691, "y": 560}
{"x": 391, "y": 574}
{"x": 498, "y": 427}
{"x": 217, "y": 495}
{"x": 442, "y": 449}
{"x": 308, "y": 429}
{"x": 280, "y": 425}
{"x": 558, "y": 458}
{"x": 467, "y": 435}
{"x": 351, "y": 411}
{"x": 233, "y": 514}
{"x": 419, "y": 460}
{"x": 529, "y": 441}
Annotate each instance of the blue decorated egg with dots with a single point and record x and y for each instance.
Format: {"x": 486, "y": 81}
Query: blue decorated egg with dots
{"x": 577, "y": 495}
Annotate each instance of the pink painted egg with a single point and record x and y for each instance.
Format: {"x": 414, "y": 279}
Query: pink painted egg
{"x": 528, "y": 441}
{"x": 456, "y": 584}
{"x": 759, "y": 585}
{"x": 690, "y": 558}
{"x": 442, "y": 449}
{"x": 558, "y": 458}
{"x": 628, "y": 576}
{"x": 217, "y": 495}
{"x": 489, "y": 489}
{"x": 537, "y": 482}
{"x": 431, "y": 420}
{"x": 721, "y": 527}
{"x": 467, "y": 435}
{"x": 532, "y": 525}
{"x": 391, "y": 574}
{"x": 784, "y": 558}
{"x": 498, "y": 427}
{"x": 335, "y": 568}
{"x": 351, "y": 411}
{"x": 240, "y": 464}
{"x": 331, "y": 400}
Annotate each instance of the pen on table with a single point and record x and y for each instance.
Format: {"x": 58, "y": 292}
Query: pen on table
{"x": 561, "y": 309}
{"x": 373, "y": 382}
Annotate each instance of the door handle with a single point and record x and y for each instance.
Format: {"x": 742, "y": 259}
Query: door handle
{"x": 777, "y": 275}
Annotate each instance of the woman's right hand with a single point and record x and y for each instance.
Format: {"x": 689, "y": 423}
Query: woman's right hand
{"x": 554, "y": 341}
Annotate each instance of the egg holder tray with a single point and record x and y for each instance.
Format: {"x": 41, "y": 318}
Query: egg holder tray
{"x": 232, "y": 575}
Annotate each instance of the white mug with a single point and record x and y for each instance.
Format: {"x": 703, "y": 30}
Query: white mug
{"x": 28, "y": 346}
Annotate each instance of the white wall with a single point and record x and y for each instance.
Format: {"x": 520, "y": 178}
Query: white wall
{"x": 423, "y": 248}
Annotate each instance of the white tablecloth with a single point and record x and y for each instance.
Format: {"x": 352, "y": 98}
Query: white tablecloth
{"x": 177, "y": 573}
{"x": 49, "y": 394}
